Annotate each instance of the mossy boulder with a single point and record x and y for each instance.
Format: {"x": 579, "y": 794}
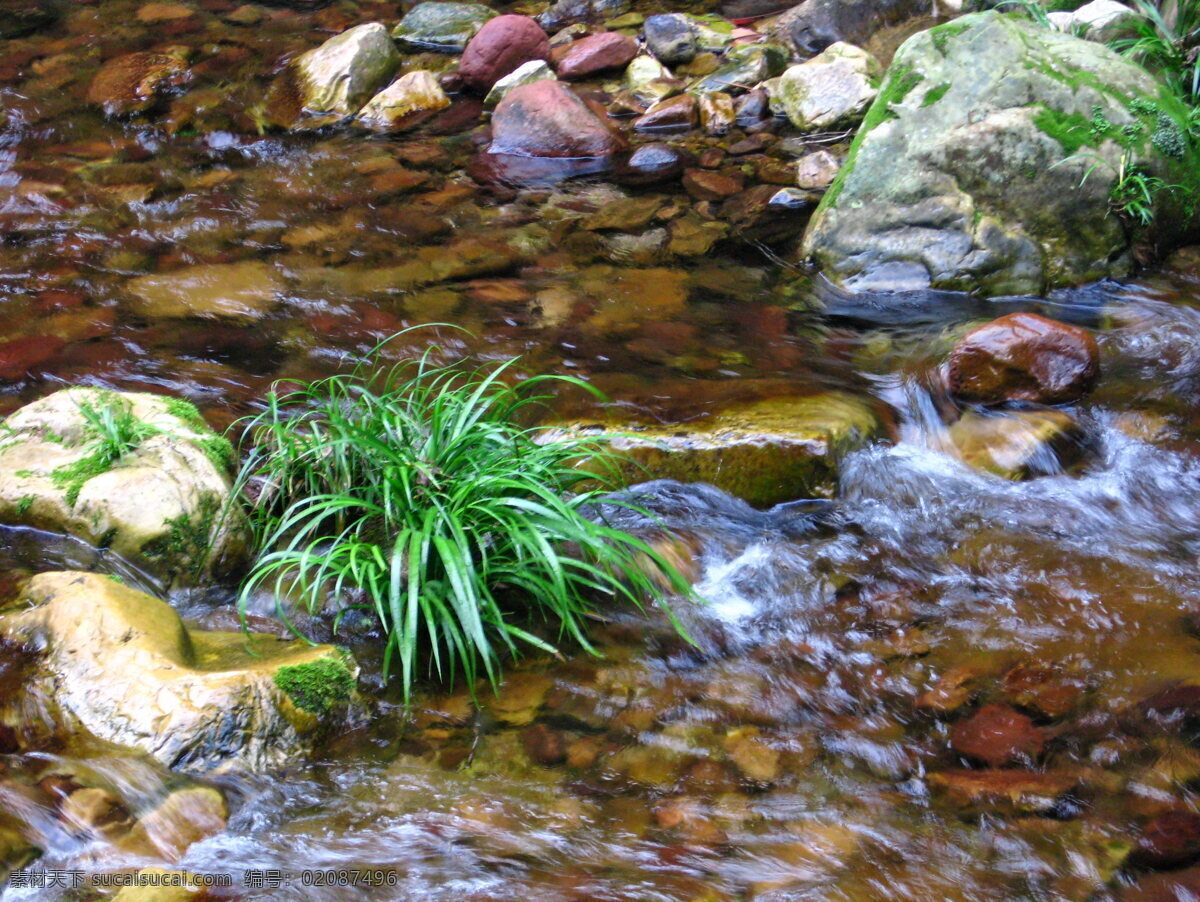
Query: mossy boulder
{"x": 765, "y": 452}
{"x": 441, "y": 25}
{"x": 122, "y": 665}
{"x": 989, "y": 163}
{"x": 161, "y": 505}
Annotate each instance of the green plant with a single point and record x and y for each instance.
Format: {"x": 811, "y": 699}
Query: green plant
{"x": 111, "y": 430}
{"x": 1167, "y": 43}
{"x": 1034, "y": 10}
{"x": 1134, "y": 192}
{"x": 316, "y": 686}
{"x": 419, "y": 487}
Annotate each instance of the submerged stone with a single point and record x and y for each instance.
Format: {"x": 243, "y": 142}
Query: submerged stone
{"x": 135, "y": 82}
{"x": 122, "y": 665}
{"x": 160, "y": 505}
{"x": 243, "y": 291}
{"x": 744, "y": 68}
{"x": 1018, "y": 444}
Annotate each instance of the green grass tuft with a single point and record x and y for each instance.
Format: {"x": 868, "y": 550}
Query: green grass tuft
{"x": 419, "y": 492}
{"x": 316, "y": 686}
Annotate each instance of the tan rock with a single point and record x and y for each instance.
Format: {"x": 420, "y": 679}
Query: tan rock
{"x": 405, "y": 103}
{"x": 184, "y": 817}
{"x": 243, "y": 291}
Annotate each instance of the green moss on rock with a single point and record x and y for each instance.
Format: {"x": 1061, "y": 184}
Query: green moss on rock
{"x": 316, "y": 686}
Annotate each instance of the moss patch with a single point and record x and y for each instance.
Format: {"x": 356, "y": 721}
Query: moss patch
{"x": 933, "y": 95}
{"x": 316, "y": 686}
{"x": 1071, "y": 130}
{"x": 942, "y": 34}
{"x": 72, "y": 477}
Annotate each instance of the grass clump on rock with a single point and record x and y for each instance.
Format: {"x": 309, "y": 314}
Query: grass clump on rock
{"x": 417, "y": 493}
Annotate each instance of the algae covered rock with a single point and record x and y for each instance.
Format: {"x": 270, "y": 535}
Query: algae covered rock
{"x": 764, "y": 452}
{"x": 123, "y": 665}
{"x": 158, "y": 502}
{"x": 830, "y": 90}
{"x": 989, "y": 162}
{"x": 441, "y": 25}
{"x": 135, "y": 82}
{"x": 244, "y": 291}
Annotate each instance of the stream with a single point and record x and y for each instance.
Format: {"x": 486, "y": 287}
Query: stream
{"x": 802, "y": 747}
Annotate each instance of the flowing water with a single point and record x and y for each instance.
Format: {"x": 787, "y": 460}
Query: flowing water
{"x": 801, "y": 748}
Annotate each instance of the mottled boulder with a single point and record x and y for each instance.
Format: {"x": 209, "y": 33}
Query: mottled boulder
{"x": 341, "y": 75}
{"x": 135, "y": 82}
{"x": 158, "y": 505}
{"x": 405, "y": 103}
{"x": 1024, "y": 357}
{"x": 832, "y": 90}
{"x": 595, "y": 53}
{"x": 122, "y": 665}
{"x": 989, "y": 160}
{"x": 441, "y": 25}
{"x": 502, "y": 44}
{"x": 547, "y": 119}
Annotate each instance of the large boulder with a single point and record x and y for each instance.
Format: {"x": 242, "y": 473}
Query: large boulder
{"x": 548, "y": 119}
{"x": 339, "y": 77}
{"x": 502, "y": 45}
{"x": 989, "y": 162}
{"x": 441, "y": 25}
{"x": 123, "y": 666}
{"x": 161, "y": 504}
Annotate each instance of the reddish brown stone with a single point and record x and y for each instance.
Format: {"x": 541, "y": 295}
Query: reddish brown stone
{"x": 132, "y": 83}
{"x": 703, "y": 184}
{"x": 672, "y": 113}
{"x": 502, "y": 45}
{"x": 1009, "y": 792}
{"x": 997, "y": 735}
{"x": 1045, "y": 690}
{"x": 547, "y": 119}
{"x": 1024, "y": 357}
{"x": 544, "y": 745}
{"x": 1174, "y": 887}
{"x": 1168, "y": 841}
{"x": 21, "y": 356}
{"x": 951, "y": 691}
{"x": 595, "y": 53}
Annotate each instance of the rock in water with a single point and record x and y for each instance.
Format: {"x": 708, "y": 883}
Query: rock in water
{"x": 405, "y": 103}
{"x": 968, "y": 172}
{"x": 829, "y": 91}
{"x": 158, "y": 505}
{"x": 547, "y": 119}
{"x": 595, "y": 53}
{"x": 340, "y": 76}
{"x": 22, "y": 17}
{"x": 441, "y": 25}
{"x": 133, "y": 83}
{"x": 123, "y": 665}
{"x": 502, "y": 45}
{"x": 525, "y": 74}
{"x": 1024, "y": 357}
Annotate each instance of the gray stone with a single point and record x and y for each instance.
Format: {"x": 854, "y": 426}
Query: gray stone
{"x": 829, "y": 91}
{"x": 441, "y": 25}
{"x": 671, "y": 37}
{"x": 813, "y": 25}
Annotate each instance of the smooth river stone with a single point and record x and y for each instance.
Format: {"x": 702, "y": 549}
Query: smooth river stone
{"x": 242, "y": 291}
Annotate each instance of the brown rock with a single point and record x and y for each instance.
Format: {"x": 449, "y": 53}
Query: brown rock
{"x": 1045, "y": 690}
{"x": 544, "y": 745}
{"x": 595, "y": 53}
{"x": 1009, "y": 792}
{"x": 817, "y": 170}
{"x": 97, "y": 812}
{"x": 997, "y": 735}
{"x": 547, "y": 119}
{"x": 953, "y": 689}
{"x": 1173, "y": 887}
{"x": 703, "y": 184}
{"x": 8, "y": 740}
{"x": 1024, "y": 357}
{"x": 503, "y": 44}
{"x": 673, "y": 113}
{"x": 23, "y": 356}
{"x": 1168, "y": 841}
{"x": 134, "y": 82}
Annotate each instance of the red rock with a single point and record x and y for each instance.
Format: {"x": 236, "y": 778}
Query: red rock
{"x": 22, "y": 355}
{"x": 1168, "y": 841}
{"x": 1010, "y": 792}
{"x": 997, "y": 735}
{"x": 503, "y": 44}
{"x": 547, "y": 119}
{"x": 595, "y": 53}
{"x": 1175, "y": 887}
{"x": 133, "y": 82}
{"x": 703, "y": 184}
{"x": 544, "y": 745}
{"x": 1024, "y": 357}
{"x": 672, "y": 113}
{"x": 1045, "y": 690}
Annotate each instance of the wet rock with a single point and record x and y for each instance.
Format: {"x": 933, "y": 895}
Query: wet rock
{"x": 525, "y": 74}
{"x": 341, "y": 75}
{"x": 8, "y": 740}
{"x": 593, "y": 54}
{"x": 1024, "y": 357}
{"x": 502, "y": 44}
{"x": 159, "y": 505}
{"x": 744, "y": 68}
{"x": 671, "y": 37}
{"x": 1172, "y": 709}
{"x": 997, "y": 735}
{"x": 817, "y": 170}
{"x": 913, "y": 210}
{"x": 1019, "y": 444}
{"x": 704, "y": 184}
{"x": 832, "y": 90}
{"x": 755, "y": 759}
{"x": 243, "y": 291}
{"x": 1179, "y": 886}
{"x": 1046, "y": 690}
{"x": 716, "y": 113}
{"x": 1002, "y": 792}
{"x": 21, "y": 357}
{"x": 95, "y": 812}
{"x": 547, "y": 119}
{"x": 952, "y": 690}
{"x": 813, "y": 25}
{"x": 768, "y": 214}
{"x": 692, "y": 236}
{"x": 674, "y": 113}
{"x": 22, "y": 17}
{"x": 15, "y": 850}
{"x": 764, "y": 452}
{"x": 649, "y": 81}
{"x": 628, "y": 215}
{"x": 123, "y": 666}
{"x": 168, "y": 886}
{"x": 651, "y": 164}
{"x": 520, "y": 698}
{"x": 752, "y": 108}
{"x": 137, "y": 81}
{"x": 441, "y": 25}
{"x": 405, "y": 103}
{"x": 544, "y": 744}
{"x": 183, "y": 818}
{"x": 1170, "y": 840}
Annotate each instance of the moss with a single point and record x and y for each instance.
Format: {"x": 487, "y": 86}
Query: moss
{"x": 186, "y": 411}
{"x": 219, "y": 450}
{"x": 933, "y": 95}
{"x": 316, "y": 686}
{"x": 188, "y": 537}
{"x": 1071, "y": 130}
{"x": 1168, "y": 137}
{"x": 24, "y": 505}
{"x": 72, "y": 477}
{"x": 942, "y": 34}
